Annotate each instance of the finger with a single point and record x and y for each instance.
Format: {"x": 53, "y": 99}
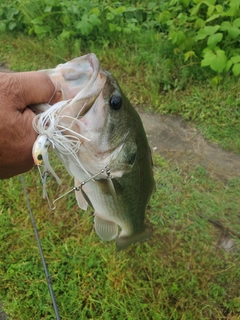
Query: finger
{"x": 34, "y": 87}
{"x": 38, "y": 88}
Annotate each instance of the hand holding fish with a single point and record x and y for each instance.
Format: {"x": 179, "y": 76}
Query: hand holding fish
{"x": 18, "y": 91}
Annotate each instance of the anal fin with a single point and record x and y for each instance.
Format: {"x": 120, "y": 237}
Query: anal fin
{"x": 105, "y": 229}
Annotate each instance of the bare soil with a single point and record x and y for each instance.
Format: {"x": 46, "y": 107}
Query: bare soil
{"x": 179, "y": 141}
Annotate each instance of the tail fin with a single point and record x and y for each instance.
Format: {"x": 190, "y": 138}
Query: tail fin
{"x": 123, "y": 242}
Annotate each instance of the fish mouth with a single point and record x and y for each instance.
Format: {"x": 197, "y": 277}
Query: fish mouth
{"x": 84, "y": 99}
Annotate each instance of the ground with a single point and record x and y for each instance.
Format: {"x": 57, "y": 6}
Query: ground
{"x": 179, "y": 141}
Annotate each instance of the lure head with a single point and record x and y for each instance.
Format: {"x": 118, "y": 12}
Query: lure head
{"x": 40, "y": 149}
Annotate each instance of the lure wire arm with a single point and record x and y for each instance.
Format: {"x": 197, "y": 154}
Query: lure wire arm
{"x": 76, "y": 188}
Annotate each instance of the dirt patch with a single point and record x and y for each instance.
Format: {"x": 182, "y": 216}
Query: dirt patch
{"x": 179, "y": 141}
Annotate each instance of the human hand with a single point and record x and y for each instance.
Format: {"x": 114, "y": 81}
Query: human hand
{"x": 17, "y": 92}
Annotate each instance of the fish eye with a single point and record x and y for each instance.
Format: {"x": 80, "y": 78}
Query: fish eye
{"x": 39, "y": 157}
{"x": 116, "y": 102}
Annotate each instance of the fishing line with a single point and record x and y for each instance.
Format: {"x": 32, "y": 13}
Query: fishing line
{"x": 48, "y": 278}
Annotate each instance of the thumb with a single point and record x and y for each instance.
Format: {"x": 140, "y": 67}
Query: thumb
{"x": 35, "y": 87}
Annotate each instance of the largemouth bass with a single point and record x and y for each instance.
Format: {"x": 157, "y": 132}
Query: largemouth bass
{"x": 99, "y": 137}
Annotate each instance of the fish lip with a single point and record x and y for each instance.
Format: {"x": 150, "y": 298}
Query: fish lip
{"x": 94, "y": 61}
{"x": 89, "y": 93}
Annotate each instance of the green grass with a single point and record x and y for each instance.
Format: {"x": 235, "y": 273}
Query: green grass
{"x": 179, "y": 273}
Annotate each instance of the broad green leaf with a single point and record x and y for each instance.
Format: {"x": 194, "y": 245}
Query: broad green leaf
{"x": 127, "y": 30}
{"x": 228, "y": 65}
{"x": 206, "y": 31}
{"x": 208, "y": 59}
{"x": 121, "y": 9}
{"x": 213, "y": 17}
{"x": 225, "y": 25}
{"x": 173, "y": 36}
{"x": 38, "y": 20}
{"x": 173, "y": 2}
{"x": 188, "y": 55}
{"x": 210, "y": 10}
{"x": 12, "y": 25}
{"x": 195, "y": 9}
{"x": 219, "y": 63}
{"x": 232, "y": 29}
{"x": 217, "y": 79}
{"x": 96, "y": 11}
{"x": 139, "y": 16}
{"x": 230, "y": 12}
{"x": 233, "y": 32}
{"x": 65, "y": 35}
{"x": 180, "y": 37}
{"x": 219, "y": 8}
{"x": 216, "y": 59}
{"x": 214, "y": 39}
{"x": 236, "y": 23}
{"x": 84, "y": 17}
{"x": 112, "y": 10}
{"x": 48, "y": 9}
{"x": 210, "y": 30}
{"x": 114, "y": 27}
{"x": 94, "y": 20}
{"x": 235, "y": 59}
{"x": 50, "y": 2}
{"x": 185, "y": 3}
{"x": 209, "y": 2}
{"x": 202, "y": 34}
{"x": 164, "y": 17}
{"x": 199, "y": 23}
{"x": 234, "y": 4}
{"x": 236, "y": 69}
{"x": 152, "y": 5}
{"x": 41, "y": 29}
{"x": 110, "y": 16}
{"x": 206, "y": 51}
{"x": 2, "y": 26}
{"x": 86, "y": 28}
{"x": 11, "y": 13}
{"x": 182, "y": 19}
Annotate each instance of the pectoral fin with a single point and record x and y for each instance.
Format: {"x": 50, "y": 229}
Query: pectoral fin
{"x": 106, "y": 230}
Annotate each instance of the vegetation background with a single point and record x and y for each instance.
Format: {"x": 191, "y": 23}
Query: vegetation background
{"x": 176, "y": 57}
